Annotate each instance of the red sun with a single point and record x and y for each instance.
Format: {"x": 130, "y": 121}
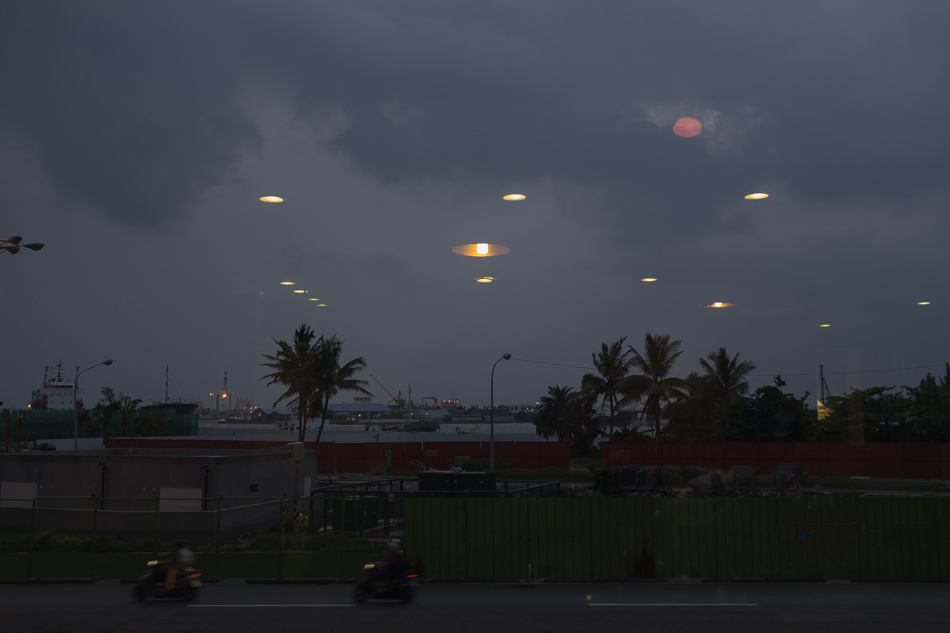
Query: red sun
{"x": 687, "y": 127}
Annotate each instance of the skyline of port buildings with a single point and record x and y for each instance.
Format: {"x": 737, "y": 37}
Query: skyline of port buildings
{"x": 56, "y": 392}
{"x": 58, "y": 377}
{"x": 143, "y": 142}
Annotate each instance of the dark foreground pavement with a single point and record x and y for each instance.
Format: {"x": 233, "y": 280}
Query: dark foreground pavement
{"x": 479, "y": 608}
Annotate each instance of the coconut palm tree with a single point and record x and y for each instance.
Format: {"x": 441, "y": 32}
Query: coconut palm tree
{"x": 568, "y": 415}
{"x": 655, "y": 385}
{"x": 330, "y": 377}
{"x": 613, "y": 365}
{"x": 584, "y": 423}
{"x": 552, "y": 418}
{"x": 725, "y": 379}
{"x": 689, "y": 415}
{"x": 293, "y": 366}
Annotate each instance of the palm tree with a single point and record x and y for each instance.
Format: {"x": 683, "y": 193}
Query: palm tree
{"x": 655, "y": 383}
{"x": 613, "y": 365}
{"x": 293, "y": 366}
{"x": 331, "y": 377}
{"x": 568, "y": 415}
{"x": 554, "y": 412}
{"x": 726, "y": 380}
{"x": 584, "y": 422}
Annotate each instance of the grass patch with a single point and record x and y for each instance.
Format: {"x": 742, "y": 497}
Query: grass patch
{"x": 585, "y": 462}
{"x": 51, "y": 541}
{"x": 895, "y": 485}
{"x": 545, "y": 474}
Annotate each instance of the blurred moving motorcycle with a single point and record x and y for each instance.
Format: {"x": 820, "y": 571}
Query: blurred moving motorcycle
{"x": 151, "y": 584}
{"x": 391, "y": 580}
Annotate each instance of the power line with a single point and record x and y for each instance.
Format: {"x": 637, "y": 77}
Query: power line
{"x": 541, "y": 362}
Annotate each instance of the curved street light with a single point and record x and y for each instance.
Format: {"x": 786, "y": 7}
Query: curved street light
{"x": 491, "y": 415}
{"x": 107, "y": 361}
{"x": 12, "y": 245}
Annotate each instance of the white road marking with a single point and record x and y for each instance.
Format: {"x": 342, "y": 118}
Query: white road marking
{"x": 672, "y": 604}
{"x": 264, "y": 606}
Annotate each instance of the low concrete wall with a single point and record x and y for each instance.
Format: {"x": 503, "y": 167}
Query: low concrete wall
{"x": 198, "y": 527}
{"x": 135, "y": 479}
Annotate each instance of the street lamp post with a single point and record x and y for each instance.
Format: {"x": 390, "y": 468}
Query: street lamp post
{"x": 491, "y": 415}
{"x": 108, "y": 361}
{"x": 12, "y": 245}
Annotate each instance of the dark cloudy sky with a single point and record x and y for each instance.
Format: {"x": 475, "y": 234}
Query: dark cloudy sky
{"x": 136, "y": 139}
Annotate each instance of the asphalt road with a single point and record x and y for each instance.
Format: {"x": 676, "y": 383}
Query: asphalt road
{"x": 485, "y": 608}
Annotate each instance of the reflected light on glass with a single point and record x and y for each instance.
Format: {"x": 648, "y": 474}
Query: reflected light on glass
{"x": 512, "y": 197}
{"x": 720, "y": 304}
{"x": 480, "y": 250}
{"x": 271, "y": 199}
{"x": 757, "y": 196}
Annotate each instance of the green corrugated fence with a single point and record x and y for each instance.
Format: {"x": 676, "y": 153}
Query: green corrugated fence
{"x": 604, "y": 538}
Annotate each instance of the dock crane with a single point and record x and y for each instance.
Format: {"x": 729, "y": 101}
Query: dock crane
{"x": 397, "y": 400}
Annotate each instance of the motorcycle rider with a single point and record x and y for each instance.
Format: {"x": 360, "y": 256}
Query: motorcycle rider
{"x": 180, "y": 557}
{"x": 390, "y": 570}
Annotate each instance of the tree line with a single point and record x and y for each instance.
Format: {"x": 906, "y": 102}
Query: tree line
{"x": 889, "y": 414}
{"x": 643, "y": 400}
{"x": 119, "y": 414}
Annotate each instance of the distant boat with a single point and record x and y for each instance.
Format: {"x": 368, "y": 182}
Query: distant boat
{"x": 56, "y": 391}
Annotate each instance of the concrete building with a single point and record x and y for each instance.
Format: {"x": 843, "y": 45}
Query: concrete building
{"x": 137, "y": 492}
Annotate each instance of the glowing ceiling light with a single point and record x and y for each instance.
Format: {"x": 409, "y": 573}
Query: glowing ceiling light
{"x": 321, "y": 305}
{"x": 484, "y": 280}
{"x": 271, "y": 199}
{"x": 923, "y": 303}
{"x": 512, "y": 197}
{"x": 299, "y": 292}
{"x": 757, "y": 196}
{"x": 825, "y": 325}
{"x": 480, "y": 250}
{"x": 649, "y": 279}
{"x": 687, "y": 127}
{"x": 287, "y": 283}
{"x": 313, "y": 299}
{"x": 720, "y": 304}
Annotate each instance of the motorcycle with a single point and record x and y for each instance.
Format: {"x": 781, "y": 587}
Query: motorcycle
{"x": 397, "y": 588}
{"x": 151, "y": 584}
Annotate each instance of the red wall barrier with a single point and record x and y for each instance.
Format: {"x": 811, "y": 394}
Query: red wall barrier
{"x": 364, "y": 457}
{"x": 911, "y": 461}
